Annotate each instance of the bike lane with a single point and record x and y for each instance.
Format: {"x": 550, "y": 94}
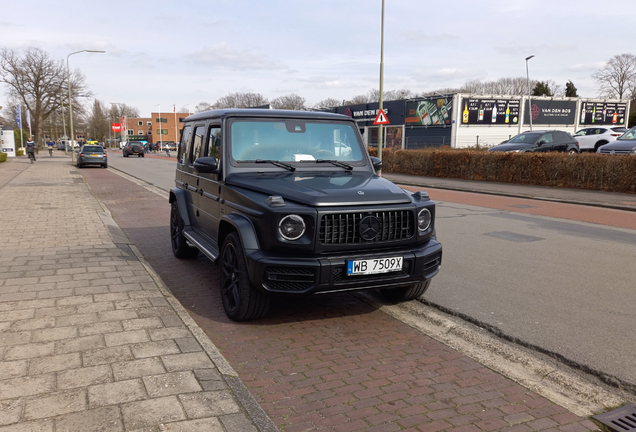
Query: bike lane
{"x": 334, "y": 362}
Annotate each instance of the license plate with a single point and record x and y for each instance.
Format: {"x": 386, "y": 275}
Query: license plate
{"x": 373, "y": 266}
{"x": 95, "y": 155}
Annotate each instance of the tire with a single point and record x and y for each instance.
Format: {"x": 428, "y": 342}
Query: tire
{"x": 105, "y": 166}
{"x": 180, "y": 248}
{"x": 572, "y": 151}
{"x": 241, "y": 300}
{"x": 138, "y": 155}
{"x": 143, "y": 155}
{"x": 405, "y": 293}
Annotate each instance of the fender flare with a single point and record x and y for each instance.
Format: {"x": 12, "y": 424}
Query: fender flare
{"x": 176, "y": 194}
{"x": 245, "y": 229}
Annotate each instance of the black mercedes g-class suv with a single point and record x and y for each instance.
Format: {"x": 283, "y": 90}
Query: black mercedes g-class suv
{"x": 289, "y": 203}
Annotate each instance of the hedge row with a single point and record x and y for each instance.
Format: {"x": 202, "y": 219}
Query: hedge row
{"x": 3, "y": 157}
{"x": 582, "y": 171}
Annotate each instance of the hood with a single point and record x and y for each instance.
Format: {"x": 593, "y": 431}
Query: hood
{"x": 620, "y": 145}
{"x": 321, "y": 189}
{"x": 512, "y": 146}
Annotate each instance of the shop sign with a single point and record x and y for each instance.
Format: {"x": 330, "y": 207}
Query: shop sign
{"x": 550, "y": 112}
{"x": 603, "y": 113}
{"x": 429, "y": 112}
{"x": 491, "y": 111}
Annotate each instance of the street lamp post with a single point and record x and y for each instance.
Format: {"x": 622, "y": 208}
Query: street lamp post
{"x": 380, "y": 129}
{"x": 70, "y": 99}
{"x": 528, "y": 85}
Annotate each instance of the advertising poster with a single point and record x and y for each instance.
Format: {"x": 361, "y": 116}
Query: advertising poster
{"x": 603, "y": 113}
{"x": 490, "y": 111}
{"x": 429, "y": 112}
{"x": 549, "y": 112}
{"x": 7, "y": 141}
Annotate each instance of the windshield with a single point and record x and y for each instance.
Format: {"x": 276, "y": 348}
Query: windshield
{"x": 528, "y": 138}
{"x": 294, "y": 141}
{"x": 98, "y": 149}
{"x": 629, "y": 135}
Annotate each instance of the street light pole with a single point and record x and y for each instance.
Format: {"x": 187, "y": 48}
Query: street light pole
{"x": 380, "y": 129}
{"x": 528, "y": 85}
{"x": 70, "y": 99}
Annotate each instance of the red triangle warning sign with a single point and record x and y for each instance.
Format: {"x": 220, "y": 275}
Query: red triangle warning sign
{"x": 381, "y": 119}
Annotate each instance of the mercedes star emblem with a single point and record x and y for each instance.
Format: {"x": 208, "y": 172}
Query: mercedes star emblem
{"x": 369, "y": 228}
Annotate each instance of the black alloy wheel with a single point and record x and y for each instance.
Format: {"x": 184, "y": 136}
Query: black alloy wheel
{"x": 405, "y": 293}
{"x": 241, "y": 300}
{"x": 180, "y": 248}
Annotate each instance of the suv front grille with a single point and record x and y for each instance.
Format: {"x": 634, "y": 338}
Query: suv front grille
{"x": 343, "y": 228}
{"x": 289, "y": 278}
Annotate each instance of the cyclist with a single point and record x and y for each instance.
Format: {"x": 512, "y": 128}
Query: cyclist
{"x": 49, "y": 144}
{"x": 31, "y": 149}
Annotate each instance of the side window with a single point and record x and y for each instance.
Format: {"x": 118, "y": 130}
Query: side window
{"x": 197, "y": 143}
{"x": 214, "y": 142}
{"x": 183, "y": 144}
{"x": 547, "y": 138}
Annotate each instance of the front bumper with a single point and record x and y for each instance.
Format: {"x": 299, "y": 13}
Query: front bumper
{"x": 324, "y": 274}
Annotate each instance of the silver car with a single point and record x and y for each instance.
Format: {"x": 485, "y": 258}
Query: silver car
{"x": 92, "y": 155}
{"x": 591, "y": 138}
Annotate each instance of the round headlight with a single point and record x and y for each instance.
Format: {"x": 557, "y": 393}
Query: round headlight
{"x": 291, "y": 227}
{"x": 424, "y": 220}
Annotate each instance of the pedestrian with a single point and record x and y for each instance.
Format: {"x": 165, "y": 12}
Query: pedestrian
{"x": 30, "y": 145}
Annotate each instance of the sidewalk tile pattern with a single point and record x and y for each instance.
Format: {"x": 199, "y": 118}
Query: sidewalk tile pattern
{"x": 88, "y": 342}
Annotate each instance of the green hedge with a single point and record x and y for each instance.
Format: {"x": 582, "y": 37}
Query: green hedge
{"x": 3, "y": 157}
{"x": 581, "y": 171}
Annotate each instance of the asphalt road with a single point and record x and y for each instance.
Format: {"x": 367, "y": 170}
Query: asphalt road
{"x": 550, "y": 276}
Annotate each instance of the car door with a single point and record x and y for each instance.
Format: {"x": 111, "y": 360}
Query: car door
{"x": 209, "y": 187}
{"x": 583, "y": 138}
{"x": 184, "y": 177}
{"x": 196, "y": 148}
{"x": 545, "y": 143}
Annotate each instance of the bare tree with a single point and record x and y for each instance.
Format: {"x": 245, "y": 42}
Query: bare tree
{"x": 98, "y": 121}
{"x": 241, "y": 100}
{"x": 290, "y": 102}
{"x": 617, "y": 79}
{"x": 202, "y": 106}
{"x": 39, "y": 83}
{"x": 328, "y": 103}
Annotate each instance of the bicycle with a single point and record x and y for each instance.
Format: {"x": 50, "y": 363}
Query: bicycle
{"x": 31, "y": 157}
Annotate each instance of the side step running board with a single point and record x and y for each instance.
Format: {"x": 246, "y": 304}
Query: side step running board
{"x": 209, "y": 249}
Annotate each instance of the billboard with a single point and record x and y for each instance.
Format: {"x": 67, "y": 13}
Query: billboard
{"x": 115, "y": 127}
{"x": 429, "y": 112}
{"x": 491, "y": 111}
{"x": 7, "y": 141}
{"x": 551, "y": 112}
{"x": 603, "y": 113}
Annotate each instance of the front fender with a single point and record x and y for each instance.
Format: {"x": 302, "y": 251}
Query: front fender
{"x": 245, "y": 229}
{"x": 176, "y": 194}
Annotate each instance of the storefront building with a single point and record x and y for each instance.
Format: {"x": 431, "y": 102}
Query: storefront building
{"x": 462, "y": 120}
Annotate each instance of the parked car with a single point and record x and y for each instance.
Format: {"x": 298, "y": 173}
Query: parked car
{"x": 591, "y": 138}
{"x": 60, "y": 146}
{"x": 288, "y": 203}
{"x": 625, "y": 144}
{"x": 539, "y": 141}
{"x": 133, "y": 148}
{"x": 92, "y": 155}
{"x": 169, "y": 146}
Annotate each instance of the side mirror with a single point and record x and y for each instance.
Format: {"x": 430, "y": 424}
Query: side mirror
{"x": 206, "y": 164}
{"x": 541, "y": 142}
{"x": 377, "y": 163}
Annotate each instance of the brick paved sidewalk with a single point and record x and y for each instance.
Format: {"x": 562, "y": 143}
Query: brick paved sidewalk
{"x": 333, "y": 363}
{"x": 90, "y": 339}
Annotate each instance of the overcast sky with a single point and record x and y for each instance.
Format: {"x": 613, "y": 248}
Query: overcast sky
{"x": 162, "y": 53}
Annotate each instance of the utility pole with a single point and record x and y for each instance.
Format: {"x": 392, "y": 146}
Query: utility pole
{"x": 381, "y": 128}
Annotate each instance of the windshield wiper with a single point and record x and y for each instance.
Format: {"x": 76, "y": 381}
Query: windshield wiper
{"x": 336, "y": 163}
{"x": 277, "y": 163}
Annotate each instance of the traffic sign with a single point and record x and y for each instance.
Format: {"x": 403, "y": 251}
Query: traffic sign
{"x": 381, "y": 119}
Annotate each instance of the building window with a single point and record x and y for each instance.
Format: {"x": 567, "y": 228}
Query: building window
{"x": 131, "y": 132}
{"x": 149, "y": 132}
{"x": 140, "y": 132}
{"x": 148, "y": 123}
{"x": 162, "y": 119}
{"x": 162, "y": 131}
{"x": 139, "y": 123}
